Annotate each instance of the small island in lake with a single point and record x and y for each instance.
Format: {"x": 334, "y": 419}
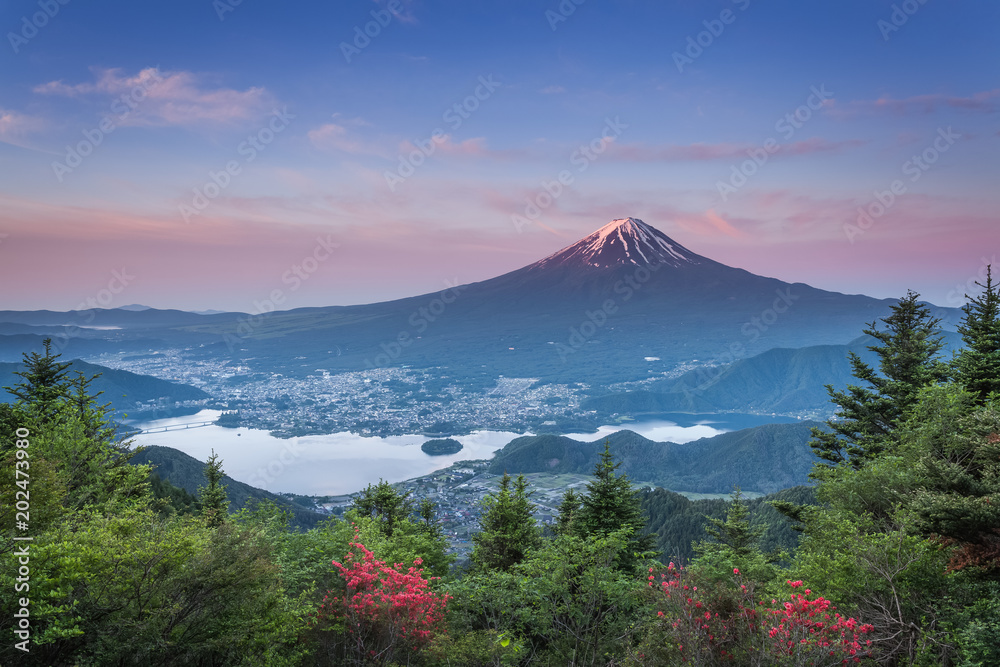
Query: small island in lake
{"x": 228, "y": 420}
{"x": 441, "y": 447}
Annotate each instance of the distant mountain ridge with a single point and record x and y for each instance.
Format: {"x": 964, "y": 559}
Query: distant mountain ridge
{"x": 762, "y": 458}
{"x": 596, "y": 311}
{"x": 123, "y": 389}
{"x": 779, "y": 381}
{"x": 622, "y": 303}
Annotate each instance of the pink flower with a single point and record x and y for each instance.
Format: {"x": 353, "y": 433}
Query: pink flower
{"x": 736, "y": 570}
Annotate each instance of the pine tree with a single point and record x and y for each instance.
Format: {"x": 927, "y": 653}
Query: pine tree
{"x": 92, "y": 415}
{"x": 44, "y": 385}
{"x": 93, "y": 460}
{"x": 977, "y": 365}
{"x": 213, "y": 498}
{"x": 429, "y": 520}
{"x": 734, "y": 535}
{"x": 384, "y": 503}
{"x": 508, "y": 529}
{"x": 908, "y": 349}
{"x": 953, "y": 446}
{"x": 567, "y": 509}
{"x": 611, "y": 505}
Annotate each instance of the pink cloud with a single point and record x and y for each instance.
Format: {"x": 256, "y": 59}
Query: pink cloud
{"x": 984, "y": 102}
{"x": 674, "y": 152}
{"x": 461, "y": 229}
{"x": 721, "y": 224}
{"x": 817, "y": 145}
{"x": 167, "y": 98}
{"x": 474, "y": 147}
{"x": 333, "y": 136}
{"x": 700, "y": 152}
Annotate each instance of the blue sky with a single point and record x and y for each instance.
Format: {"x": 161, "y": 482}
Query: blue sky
{"x": 185, "y": 93}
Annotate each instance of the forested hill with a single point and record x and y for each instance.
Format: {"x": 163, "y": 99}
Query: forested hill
{"x": 188, "y": 473}
{"x": 780, "y": 380}
{"x": 125, "y": 390}
{"x": 677, "y": 522}
{"x": 763, "y": 458}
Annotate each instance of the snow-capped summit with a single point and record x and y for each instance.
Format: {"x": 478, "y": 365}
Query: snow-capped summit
{"x": 623, "y": 242}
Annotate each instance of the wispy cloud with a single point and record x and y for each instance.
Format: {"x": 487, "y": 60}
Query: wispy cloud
{"x": 169, "y": 98}
{"x": 343, "y": 136}
{"x": 15, "y": 127}
{"x": 338, "y": 137}
{"x": 699, "y": 152}
{"x": 721, "y": 224}
{"x": 817, "y": 145}
{"x": 402, "y": 10}
{"x": 446, "y": 144}
{"x": 982, "y": 102}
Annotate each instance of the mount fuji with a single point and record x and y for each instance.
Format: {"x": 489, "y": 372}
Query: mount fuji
{"x": 622, "y": 242}
{"x": 624, "y": 303}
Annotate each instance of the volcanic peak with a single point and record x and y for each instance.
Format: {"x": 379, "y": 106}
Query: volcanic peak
{"x": 621, "y": 242}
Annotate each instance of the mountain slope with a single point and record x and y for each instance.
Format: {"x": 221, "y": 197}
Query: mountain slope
{"x": 592, "y": 312}
{"x": 763, "y": 458}
{"x": 622, "y": 303}
{"x": 626, "y": 241}
{"x": 781, "y": 381}
{"x": 188, "y": 473}
{"x": 125, "y": 390}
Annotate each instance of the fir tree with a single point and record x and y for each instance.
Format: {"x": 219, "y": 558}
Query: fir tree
{"x": 508, "y": 530}
{"x": 92, "y": 415}
{"x": 383, "y": 502}
{"x": 428, "y": 516}
{"x": 44, "y": 385}
{"x": 93, "y": 459}
{"x": 567, "y": 509}
{"x": 953, "y": 446}
{"x": 213, "y": 498}
{"x": 977, "y": 365}
{"x": 610, "y": 506}
{"x": 908, "y": 349}
{"x": 734, "y": 535}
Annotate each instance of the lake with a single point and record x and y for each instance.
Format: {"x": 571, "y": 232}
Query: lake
{"x": 339, "y": 463}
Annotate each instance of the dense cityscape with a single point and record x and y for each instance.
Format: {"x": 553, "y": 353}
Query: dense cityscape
{"x": 377, "y": 402}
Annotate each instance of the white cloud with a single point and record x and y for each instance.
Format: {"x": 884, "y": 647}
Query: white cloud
{"x": 15, "y": 127}
{"x": 168, "y": 98}
{"x": 335, "y": 136}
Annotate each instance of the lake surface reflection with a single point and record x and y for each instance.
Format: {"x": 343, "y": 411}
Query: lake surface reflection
{"x": 344, "y": 462}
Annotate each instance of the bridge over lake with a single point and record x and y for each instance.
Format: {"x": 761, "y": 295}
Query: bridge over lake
{"x": 173, "y": 427}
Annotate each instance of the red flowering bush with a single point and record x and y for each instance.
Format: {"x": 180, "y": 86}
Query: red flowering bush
{"x": 803, "y": 632}
{"x": 724, "y": 625}
{"x": 383, "y": 613}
